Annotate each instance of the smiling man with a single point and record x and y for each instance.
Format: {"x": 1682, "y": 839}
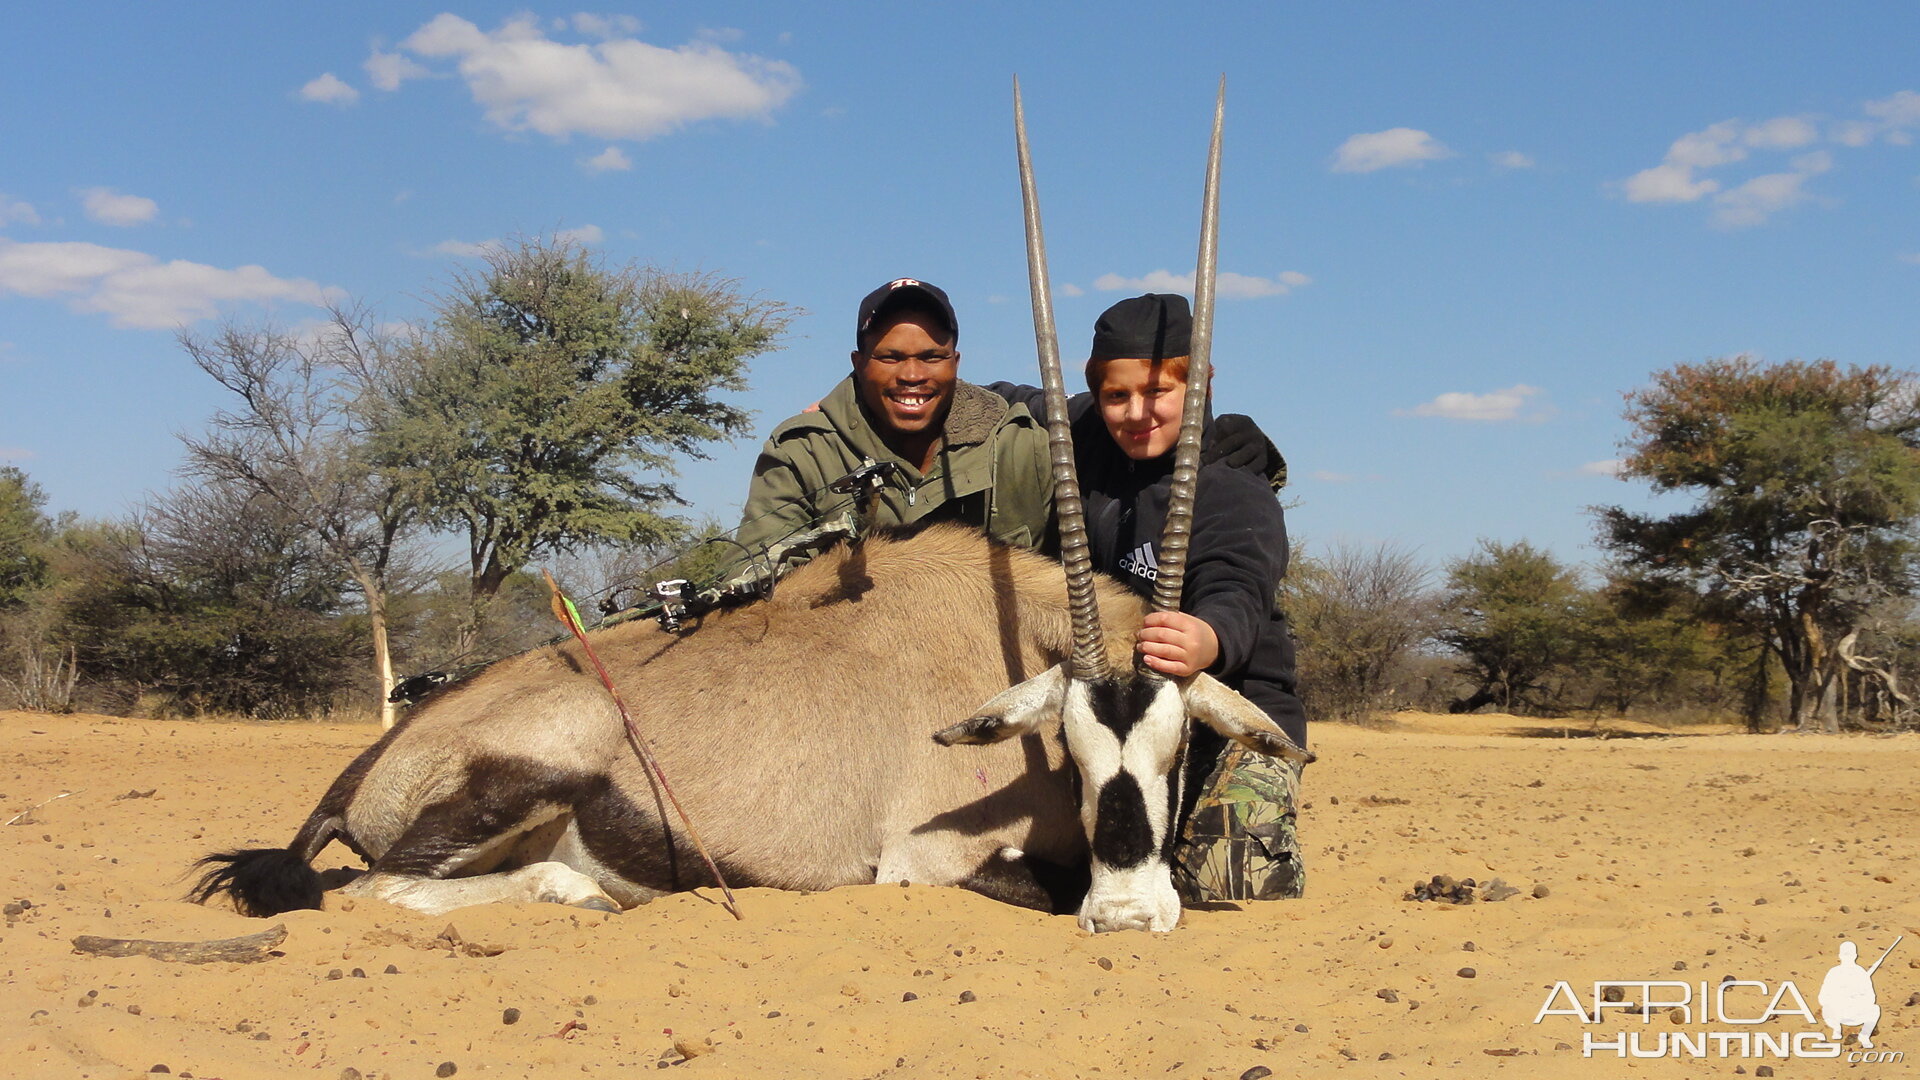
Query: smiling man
{"x": 963, "y": 453}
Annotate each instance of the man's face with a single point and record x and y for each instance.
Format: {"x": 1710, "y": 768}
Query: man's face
{"x": 907, "y": 373}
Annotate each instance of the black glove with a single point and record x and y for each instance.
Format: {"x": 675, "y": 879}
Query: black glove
{"x": 1238, "y": 443}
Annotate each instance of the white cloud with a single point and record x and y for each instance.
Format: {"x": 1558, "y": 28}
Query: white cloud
{"x": 615, "y": 88}
{"x": 1781, "y": 133}
{"x": 329, "y": 90}
{"x": 1227, "y": 284}
{"x": 1677, "y": 178}
{"x": 612, "y": 159}
{"x": 15, "y": 210}
{"x": 585, "y": 234}
{"x": 1668, "y": 183}
{"x": 1511, "y": 159}
{"x": 387, "y": 70}
{"x": 135, "y": 289}
{"x": 16, "y": 453}
{"x": 606, "y": 26}
{"x": 1608, "y": 467}
{"x": 1759, "y": 198}
{"x": 1070, "y": 289}
{"x": 110, "y": 207}
{"x": 1910, "y": 257}
{"x": 463, "y": 249}
{"x": 1895, "y": 115}
{"x": 1386, "y": 149}
{"x": 1327, "y": 477}
{"x": 1496, "y": 405}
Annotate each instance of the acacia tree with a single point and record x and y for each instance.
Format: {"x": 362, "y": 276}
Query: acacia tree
{"x": 541, "y": 410}
{"x": 1509, "y": 610}
{"x": 296, "y": 438}
{"x": 1806, "y": 480}
{"x": 1359, "y": 612}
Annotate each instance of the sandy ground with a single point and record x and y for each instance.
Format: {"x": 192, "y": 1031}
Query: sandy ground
{"x": 1728, "y": 854}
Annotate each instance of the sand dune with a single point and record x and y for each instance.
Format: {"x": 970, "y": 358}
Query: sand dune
{"x": 1728, "y": 854}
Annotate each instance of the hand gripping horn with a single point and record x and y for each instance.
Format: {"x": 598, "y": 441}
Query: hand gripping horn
{"x": 1172, "y": 553}
{"x": 1089, "y": 650}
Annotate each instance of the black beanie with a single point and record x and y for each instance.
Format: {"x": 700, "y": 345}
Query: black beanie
{"x": 1151, "y": 327}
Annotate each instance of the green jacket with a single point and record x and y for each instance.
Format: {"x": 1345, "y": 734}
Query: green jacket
{"x": 990, "y": 471}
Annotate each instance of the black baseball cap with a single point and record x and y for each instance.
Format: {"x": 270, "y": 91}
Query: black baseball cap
{"x": 1150, "y": 327}
{"x": 899, "y": 293}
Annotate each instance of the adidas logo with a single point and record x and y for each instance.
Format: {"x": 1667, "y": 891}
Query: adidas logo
{"x": 1141, "y": 563}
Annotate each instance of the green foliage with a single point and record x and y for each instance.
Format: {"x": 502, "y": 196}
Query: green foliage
{"x": 212, "y": 602}
{"x": 550, "y": 385}
{"x": 1510, "y": 611}
{"x": 24, "y": 532}
{"x": 1806, "y": 478}
{"x": 1639, "y": 641}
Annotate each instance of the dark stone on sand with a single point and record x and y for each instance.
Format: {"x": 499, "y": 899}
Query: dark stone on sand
{"x": 1258, "y": 1072}
{"x": 909, "y": 996}
{"x": 510, "y": 1016}
{"x": 1469, "y": 947}
{"x": 133, "y": 1010}
{"x": 1541, "y": 892}
{"x": 1105, "y": 964}
{"x": 1613, "y": 993}
{"x": 447, "y": 1068}
{"x": 160, "y": 1069}
{"x": 967, "y": 996}
{"x": 392, "y": 970}
{"x": 589, "y": 1000}
{"x": 1764, "y": 1070}
{"x": 358, "y": 973}
{"x": 351, "y": 1073}
{"x": 336, "y": 973}
{"x": 1467, "y": 973}
{"x": 1679, "y": 965}
{"x": 773, "y": 1014}
{"x": 1302, "y": 1028}
{"x": 1387, "y": 995}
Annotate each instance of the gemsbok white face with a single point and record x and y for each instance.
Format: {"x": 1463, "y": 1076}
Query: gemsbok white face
{"x": 1127, "y": 735}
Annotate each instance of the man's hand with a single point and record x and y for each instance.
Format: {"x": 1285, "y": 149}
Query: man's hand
{"x": 1175, "y": 643}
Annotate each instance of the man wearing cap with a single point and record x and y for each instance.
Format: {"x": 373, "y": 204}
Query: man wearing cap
{"x": 962, "y": 453}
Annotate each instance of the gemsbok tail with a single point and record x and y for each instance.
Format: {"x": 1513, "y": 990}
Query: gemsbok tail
{"x": 260, "y": 881}
{"x": 268, "y": 881}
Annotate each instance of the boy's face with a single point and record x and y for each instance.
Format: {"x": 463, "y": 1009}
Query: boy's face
{"x": 1141, "y": 404}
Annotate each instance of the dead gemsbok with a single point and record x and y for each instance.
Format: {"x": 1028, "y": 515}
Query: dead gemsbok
{"x": 795, "y": 732}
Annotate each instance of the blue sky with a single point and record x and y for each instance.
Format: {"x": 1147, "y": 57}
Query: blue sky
{"x": 1459, "y": 232}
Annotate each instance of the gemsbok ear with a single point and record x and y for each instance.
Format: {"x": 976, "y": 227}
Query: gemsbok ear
{"x": 1019, "y": 710}
{"x": 1211, "y": 702}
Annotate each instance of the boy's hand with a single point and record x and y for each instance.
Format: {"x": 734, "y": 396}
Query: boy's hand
{"x": 1175, "y": 643}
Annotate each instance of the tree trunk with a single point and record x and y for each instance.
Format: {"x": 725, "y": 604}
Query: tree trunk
{"x": 382, "y": 662}
{"x": 376, "y": 595}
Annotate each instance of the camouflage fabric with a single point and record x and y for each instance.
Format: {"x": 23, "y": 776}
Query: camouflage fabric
{"x": 1240, "y": 841}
